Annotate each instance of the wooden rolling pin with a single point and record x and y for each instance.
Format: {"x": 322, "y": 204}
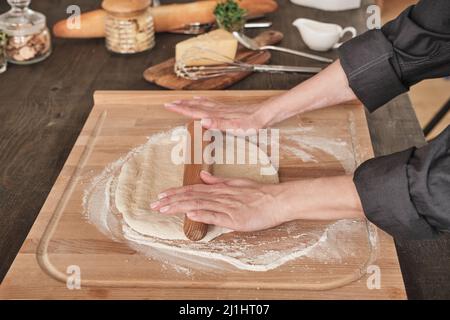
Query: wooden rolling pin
{"x": 194, "y": 230}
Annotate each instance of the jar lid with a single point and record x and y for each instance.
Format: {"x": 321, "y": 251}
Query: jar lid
{"x": 125, "y": 6}
{"x": 22, "y": 22}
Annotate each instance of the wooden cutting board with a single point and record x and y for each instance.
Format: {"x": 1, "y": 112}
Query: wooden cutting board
{"x": 163, "y": 73}
{"x": 61, "y": 239}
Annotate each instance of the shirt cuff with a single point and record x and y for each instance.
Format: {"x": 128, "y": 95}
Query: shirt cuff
{"x": 366, "y": 61}
{"x": 383, "y": 188}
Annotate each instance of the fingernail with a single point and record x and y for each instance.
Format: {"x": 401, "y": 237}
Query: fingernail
{"x": 164, "y": 209}
{"x": 162, "y": 195}
{"x": 205, "y": 122}
{"x": 197, "y": 97}
{"x": 169, "y": 105}
{"x": 206, "y": 172}
{"x": 154, "y": 204}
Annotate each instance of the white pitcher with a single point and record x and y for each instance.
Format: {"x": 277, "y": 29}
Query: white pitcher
{"x": 322, "y": 36}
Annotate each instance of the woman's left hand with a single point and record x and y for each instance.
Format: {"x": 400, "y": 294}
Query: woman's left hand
{"x": 237, "y": 204}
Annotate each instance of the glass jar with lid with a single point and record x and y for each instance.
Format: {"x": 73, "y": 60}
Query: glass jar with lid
{"x": 27, "y": 36}
{"x": 129, "y": 26}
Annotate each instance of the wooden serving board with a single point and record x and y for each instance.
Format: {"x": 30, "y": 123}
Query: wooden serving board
{"x": 163, "y": 73}
{"x": 61, "y": 240}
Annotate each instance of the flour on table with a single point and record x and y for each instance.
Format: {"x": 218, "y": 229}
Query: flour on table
{"x": 117, "y": 202}
{"x": 150, "y": 171}
{"x": 303, "y": 142}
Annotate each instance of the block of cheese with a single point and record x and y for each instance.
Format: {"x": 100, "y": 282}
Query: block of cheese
{"x": 207, "y": 49}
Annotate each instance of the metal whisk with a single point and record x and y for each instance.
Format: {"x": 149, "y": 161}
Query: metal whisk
{"x": 216, "y": 65}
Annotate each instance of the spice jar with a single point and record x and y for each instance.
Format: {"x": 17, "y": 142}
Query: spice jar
{"x": 129, "y": 26}
{"x": 27, "y": 36}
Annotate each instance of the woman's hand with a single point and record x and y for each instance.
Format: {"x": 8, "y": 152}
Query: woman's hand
{"x": 237, "y": 204}
{"x": 245, "y": 205}
{"x": 329, "y": 87}
{"x": 216, "y": 115}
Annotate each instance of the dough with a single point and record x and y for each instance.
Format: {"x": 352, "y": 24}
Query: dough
{"x": 150, "y": 170}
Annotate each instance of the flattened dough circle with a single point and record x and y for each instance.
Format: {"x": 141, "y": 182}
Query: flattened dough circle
{"x": 150, "y": 171}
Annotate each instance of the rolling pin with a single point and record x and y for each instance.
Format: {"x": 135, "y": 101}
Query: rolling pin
{"x": 193, "y": 230}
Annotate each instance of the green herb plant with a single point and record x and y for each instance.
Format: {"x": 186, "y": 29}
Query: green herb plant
{"x": 230, "y": 16}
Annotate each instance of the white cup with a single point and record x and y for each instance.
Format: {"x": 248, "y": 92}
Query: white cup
{"x": 320, "y": 36}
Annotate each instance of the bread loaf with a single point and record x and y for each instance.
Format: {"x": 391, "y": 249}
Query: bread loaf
{"x": 166, "y": 17}
{"x": 175, "y": 16}
{"x": 92, "y": 26}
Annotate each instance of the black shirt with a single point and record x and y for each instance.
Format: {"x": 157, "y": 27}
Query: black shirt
{"x": 407, "y": 194}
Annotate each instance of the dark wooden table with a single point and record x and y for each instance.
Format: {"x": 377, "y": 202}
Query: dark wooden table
{"x": 43, "y": 108}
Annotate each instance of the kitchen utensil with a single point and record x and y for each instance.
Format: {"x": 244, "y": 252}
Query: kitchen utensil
{"x": 199, "y": 28}
{"x": 230, "y": 66}
{"x": 252, "y": 45}
{"x": 192, "y": 229}
{"x": 321, "y": 36}
{"x": 255, "y": 25}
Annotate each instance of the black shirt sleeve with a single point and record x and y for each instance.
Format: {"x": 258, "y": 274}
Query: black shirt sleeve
{"x": 381, "y": 64}
{"x": 407, "y": 194}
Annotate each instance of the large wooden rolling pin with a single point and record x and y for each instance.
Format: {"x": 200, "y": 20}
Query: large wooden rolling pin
{"x": 166, "y": 17}
{"x": 194, "y": 230}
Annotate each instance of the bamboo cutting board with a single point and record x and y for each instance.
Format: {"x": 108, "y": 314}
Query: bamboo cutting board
{"x": 62, "y": 239}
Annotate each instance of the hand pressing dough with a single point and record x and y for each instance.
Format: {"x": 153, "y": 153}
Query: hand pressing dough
{"x": 151, "y": 171}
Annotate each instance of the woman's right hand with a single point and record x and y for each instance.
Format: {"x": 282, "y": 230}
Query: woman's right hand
{"x": 221, "y": 116}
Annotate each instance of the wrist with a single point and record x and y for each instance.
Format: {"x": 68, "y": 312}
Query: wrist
{"x": 279, "y": 108}
{"x": 301, "y": 198}
{"x": 265, "y": 114}
{"x": 285, "y": 200}
{"x": 324, "y": 198}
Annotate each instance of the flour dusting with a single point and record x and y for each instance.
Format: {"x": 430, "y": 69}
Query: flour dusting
{"x": 326, "y": 242}
{"x": 304, "y": 146}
